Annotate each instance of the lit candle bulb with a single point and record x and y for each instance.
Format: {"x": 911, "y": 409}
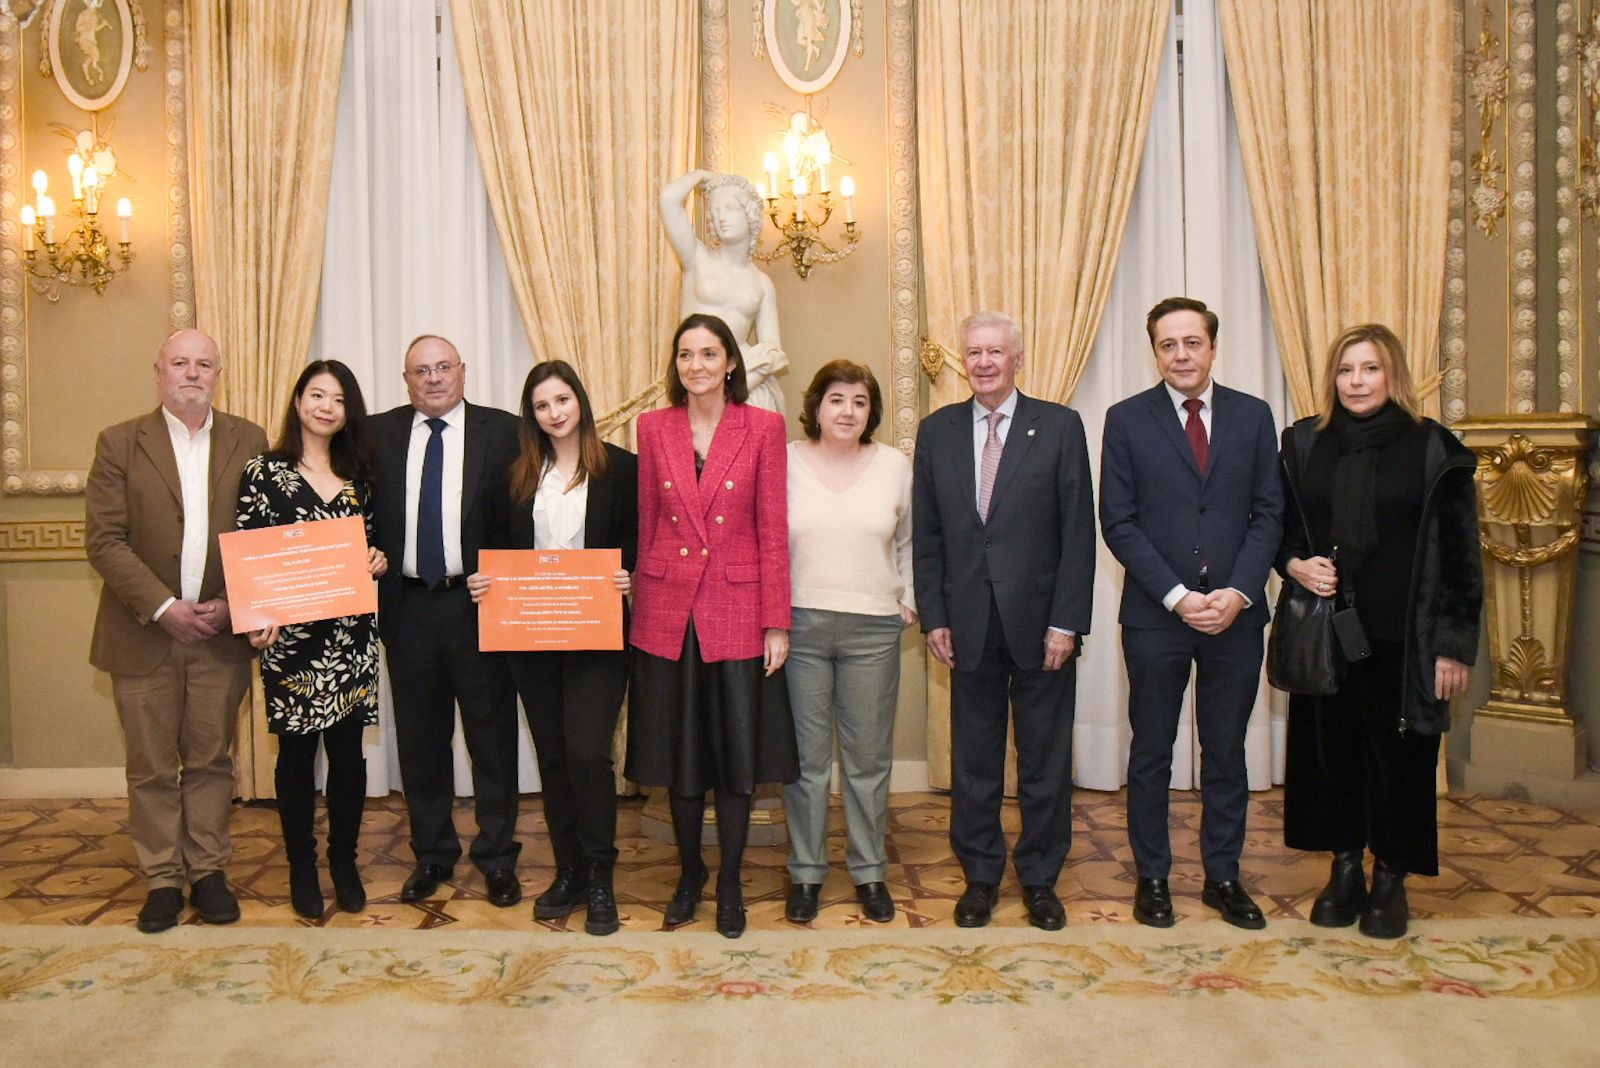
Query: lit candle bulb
{"x": 41, "y": 182}
{"x": 824, "y": 158}
{"x": 847, "y": 189}
{"x": 125, "y": 214}
{"x": 800, "y": 189}
{"x": 28, "y": 219}
{"x": 75, "y": 168}
{"x": 769, "y": 163}
{"x": 91, "y": 189}
{"x": 47, "y": 209}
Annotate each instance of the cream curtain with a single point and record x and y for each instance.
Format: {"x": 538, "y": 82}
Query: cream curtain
{"x": 263, "y": 100}
{"x": 263, "y": 97}
{"x": 582, "y": 111}
{"x": 1344, "y": 121}
{"x": 1031, "y": 122}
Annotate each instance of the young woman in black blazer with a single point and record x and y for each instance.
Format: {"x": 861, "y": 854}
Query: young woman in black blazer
{"x": 570, "y": 490}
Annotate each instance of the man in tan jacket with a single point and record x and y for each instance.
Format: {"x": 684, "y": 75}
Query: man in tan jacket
{"x": 162, "y": 487}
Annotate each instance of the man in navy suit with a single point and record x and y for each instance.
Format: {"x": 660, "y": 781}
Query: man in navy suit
{"x": 1192, "y": 506}
{"x": 1003, "y": 554}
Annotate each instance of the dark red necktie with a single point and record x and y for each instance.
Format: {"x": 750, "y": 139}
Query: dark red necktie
{"x": 1196, "y": 430}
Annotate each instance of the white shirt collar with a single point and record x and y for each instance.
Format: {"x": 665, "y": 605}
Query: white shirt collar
{"x": 177, "y": 426}
{"x": 455, "y": 418}
{"x": 1007, "y": 408}
{"x": 1178, "y": 398}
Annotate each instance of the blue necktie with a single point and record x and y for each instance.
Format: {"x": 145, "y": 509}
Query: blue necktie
{"x": 430, "y": 509}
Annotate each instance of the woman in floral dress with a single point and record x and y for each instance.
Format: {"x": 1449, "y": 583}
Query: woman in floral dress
{"x": 321, "y": 678}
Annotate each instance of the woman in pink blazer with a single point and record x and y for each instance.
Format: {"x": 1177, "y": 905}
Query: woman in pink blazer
{"x": 709, "y": 709}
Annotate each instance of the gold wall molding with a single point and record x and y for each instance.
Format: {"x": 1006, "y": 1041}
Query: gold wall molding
{"x": 1569, "y": 209}
{"x": 41, "y": 539}
{"x": 18, "y": 475}
{"x": 905, "y": 248}
{"x": 1487, "y": 75}
{"x": 1532, "y": 482}
{"x": 715, "y": 135}
{"x": 1522, "y": 371}
{"x": 1453, "y": 328}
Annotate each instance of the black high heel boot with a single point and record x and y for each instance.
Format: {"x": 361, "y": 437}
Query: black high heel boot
{"x": 1387, "y": 912}
{"x": 347, "y": 800}
{"x": 295, "y": 816}
{"x": 1341, "y": 901}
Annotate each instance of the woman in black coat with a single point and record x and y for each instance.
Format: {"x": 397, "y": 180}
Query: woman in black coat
{"x": 570, "y": 490}
{"x": 1382, "y": 512}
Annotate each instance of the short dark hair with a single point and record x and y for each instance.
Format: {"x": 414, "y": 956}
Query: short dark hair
{"x": 350, "y": 453}
{"x": 847, "y": 373}
{"x": 1177, "y": 304}
{"x": 735, "y": 388}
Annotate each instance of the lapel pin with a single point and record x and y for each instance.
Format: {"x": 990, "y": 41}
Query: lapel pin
{"x": 1031, "y": 430}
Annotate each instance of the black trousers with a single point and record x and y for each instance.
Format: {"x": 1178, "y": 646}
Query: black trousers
{"x": 572, "y": 700}
{"x": 1353, "y": 780}
{"x": 431, "y": 646}
{"x": 1227, "y": 671}
{"x": 1041, "y": 705}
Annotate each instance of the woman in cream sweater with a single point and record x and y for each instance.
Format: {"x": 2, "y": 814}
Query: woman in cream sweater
{"x": 850, "y": 577}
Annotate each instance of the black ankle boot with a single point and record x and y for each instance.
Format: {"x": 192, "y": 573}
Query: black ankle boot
{"x": 1386, "y": 912}
{"x": 601, "y": 916}
{"x": 1341, "y": 901}
{"x": 565, "y": 893}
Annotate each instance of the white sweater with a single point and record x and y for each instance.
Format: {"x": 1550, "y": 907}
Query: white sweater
{"x": 851, "y": 551}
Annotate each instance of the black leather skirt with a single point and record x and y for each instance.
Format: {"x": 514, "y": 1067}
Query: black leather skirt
{"x": 694, "y": 726}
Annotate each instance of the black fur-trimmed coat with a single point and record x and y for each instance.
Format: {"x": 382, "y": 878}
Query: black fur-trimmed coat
{"x": 1445, "y": 602}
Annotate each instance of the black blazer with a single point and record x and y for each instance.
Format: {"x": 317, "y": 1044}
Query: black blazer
{"x": 1163, "y": 521}
{"x": 490, "y": 446}
{"x": 611, "y": 517}
{"x": 1038, "y": 547}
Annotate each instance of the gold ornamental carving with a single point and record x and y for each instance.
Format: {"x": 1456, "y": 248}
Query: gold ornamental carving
{"x": 1532, "y": 482}
{"x": 1487, "y": 79}
{"x": 42, "y": 539}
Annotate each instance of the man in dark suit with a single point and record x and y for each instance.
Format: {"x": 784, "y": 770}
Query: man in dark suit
{"x": 1003, "y": 551}
{"x": 442, "y": 495}
{"x": 1191, "y": 504}
{"x": 162, "y": 487}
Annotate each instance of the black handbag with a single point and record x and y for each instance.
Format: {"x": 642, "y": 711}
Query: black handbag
{"x": 1302, "y": 655}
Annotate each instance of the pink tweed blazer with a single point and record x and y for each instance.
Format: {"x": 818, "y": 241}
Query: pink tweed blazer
{"x": 716, "y": 546}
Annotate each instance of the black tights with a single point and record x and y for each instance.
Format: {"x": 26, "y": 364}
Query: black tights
{"x": 346, "y": 789}
{"x": 733, "y": 830}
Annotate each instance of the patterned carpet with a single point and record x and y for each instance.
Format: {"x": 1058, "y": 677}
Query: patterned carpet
{"x": 70, "y": 862}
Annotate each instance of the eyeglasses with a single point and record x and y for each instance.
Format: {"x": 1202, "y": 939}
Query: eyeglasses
{"x": 421, "y": 373}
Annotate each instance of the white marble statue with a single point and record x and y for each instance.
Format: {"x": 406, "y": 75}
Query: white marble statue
{"x": 721, "y": 278}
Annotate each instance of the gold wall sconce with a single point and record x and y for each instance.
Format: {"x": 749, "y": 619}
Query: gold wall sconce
{"x": 801, "y": 212}
{"x": 83, "y": 255}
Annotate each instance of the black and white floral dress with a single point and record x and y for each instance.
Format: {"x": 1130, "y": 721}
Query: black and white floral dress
{"x": 318, "y": 673}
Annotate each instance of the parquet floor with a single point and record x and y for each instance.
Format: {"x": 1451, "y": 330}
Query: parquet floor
{"x": 70, "y": 862}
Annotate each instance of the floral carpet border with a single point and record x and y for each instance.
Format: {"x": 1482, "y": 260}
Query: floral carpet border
{"x": 269, "y": 970}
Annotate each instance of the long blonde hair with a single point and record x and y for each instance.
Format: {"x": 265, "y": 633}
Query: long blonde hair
{"x": 1391, "y": 355}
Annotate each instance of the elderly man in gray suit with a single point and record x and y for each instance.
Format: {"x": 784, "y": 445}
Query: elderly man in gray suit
{"x": 1003, "y": 552}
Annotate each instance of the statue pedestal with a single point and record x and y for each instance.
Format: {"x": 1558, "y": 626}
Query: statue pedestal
{"x": 1545, "y": 750}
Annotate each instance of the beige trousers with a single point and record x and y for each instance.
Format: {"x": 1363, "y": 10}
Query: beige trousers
{"x": 179, "y": 723}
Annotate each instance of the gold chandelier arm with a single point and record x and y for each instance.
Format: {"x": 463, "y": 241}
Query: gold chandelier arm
{"x": 619, "y": 415}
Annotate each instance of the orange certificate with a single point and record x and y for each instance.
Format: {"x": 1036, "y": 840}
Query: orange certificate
{"x": 550, "y": 599}
{"x": 297, "y": 573}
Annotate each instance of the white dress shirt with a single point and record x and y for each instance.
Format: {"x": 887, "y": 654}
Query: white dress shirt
{"x": 193, "y": 453}
{"x": 558, "y": 513}
{"x": 454, "y": 436}
{"x": 1178, "y": 592}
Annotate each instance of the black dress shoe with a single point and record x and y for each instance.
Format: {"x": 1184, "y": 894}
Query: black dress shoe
{"x": 876, "y": 904}
{"x": 568, "y": 891}
{"x": 1044, "y": 908}
{"x": 424, "y": 880}
{"x": 685, "y": 899}
{"x": 730, "y": 918}
{"x": 347, "y": 888}
{"x": 976, "y": 906}
{"x": 213, "y": 900}
{"x": 801, "y": 904}
{"x": 1387, "y": 911}
{"x": 1341, "y": 901}
{"x": 1230, "y": 899}
{"x": 504, "y": 889}
{"x": 1152, "y": 903}
{"x": 600, "y": 910}
{"x": 161, "y": 909}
